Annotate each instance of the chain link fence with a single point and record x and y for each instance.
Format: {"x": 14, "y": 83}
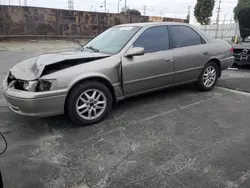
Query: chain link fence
{"x": 223, "y": 31}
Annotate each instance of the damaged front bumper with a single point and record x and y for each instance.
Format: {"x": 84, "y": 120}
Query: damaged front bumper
{"x": 39, "y": 104}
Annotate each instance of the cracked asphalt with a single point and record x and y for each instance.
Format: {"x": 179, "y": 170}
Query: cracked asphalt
{"x": 173, "y": 138}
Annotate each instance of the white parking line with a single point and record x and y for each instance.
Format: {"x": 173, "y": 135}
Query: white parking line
{"x": 232, "y": 68}
{"x": 234, "y": 91}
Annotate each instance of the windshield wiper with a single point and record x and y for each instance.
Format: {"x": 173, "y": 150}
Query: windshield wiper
{"x": 92, "y": 48}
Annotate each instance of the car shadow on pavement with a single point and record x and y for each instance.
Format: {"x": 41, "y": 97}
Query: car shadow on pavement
{"x": 63, "y": 122}
{"x": 242, "y": 67}
{"x": 156, "y": 96}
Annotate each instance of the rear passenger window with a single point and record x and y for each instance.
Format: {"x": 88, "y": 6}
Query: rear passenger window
{"x": 153, "y": 39}
{"x": 182, "y": 36}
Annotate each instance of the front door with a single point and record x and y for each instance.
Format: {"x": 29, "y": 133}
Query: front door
{"x": 154, "y": 69}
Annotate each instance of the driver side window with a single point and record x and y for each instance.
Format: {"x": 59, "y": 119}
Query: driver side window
{"x": 153, "y": 39}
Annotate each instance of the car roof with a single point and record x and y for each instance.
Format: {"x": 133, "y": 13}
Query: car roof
{"x": 150, "y": 24}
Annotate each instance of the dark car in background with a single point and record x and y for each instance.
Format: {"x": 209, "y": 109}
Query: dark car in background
{"x": 242, "y": 50}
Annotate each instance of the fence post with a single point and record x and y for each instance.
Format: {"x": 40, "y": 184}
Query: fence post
{"x": 80, "y": 18}
{"x": 58, "y": 15}
{"x": 4, "y": 21}
{"x": 33, "y": 21}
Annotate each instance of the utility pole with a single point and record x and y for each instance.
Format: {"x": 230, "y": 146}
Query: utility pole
{"x": 9, "y": 2}
{"x": 218, "y": 19}
{"x": 71, "y": 4}
{"x": 25, "y": 3}
{"x": 105, "y": 6}
{"x": 188, "y": 13}
{"x": 118, "y": 6}
{"x": 144, "y": 10}
{"x": 189, "y": 9}
{"x": 125, "y": 5}
{"x": 91, "y": 8}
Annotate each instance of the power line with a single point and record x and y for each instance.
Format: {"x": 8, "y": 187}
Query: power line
{"x": 170, "y": 9}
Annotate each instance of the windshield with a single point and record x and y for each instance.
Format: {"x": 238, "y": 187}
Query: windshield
{"x": 112, "y": 40}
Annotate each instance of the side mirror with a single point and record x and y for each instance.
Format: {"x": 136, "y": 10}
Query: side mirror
{"x": 136, "y": 51}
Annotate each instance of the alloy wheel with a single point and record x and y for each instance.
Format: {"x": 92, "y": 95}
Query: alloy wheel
{"x": 209, "y": 76}
{"x": 91, "y": 104}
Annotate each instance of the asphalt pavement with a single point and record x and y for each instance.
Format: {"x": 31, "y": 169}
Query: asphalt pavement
{"x": 177, "y": 137}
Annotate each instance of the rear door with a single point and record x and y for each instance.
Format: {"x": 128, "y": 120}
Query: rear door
{"x": 154, "y": 69}
{"x": 190, "y": 53}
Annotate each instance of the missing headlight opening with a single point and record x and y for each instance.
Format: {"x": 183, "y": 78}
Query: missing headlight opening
{"x": 32, "y": 86}
{"x": 43, "y": 85}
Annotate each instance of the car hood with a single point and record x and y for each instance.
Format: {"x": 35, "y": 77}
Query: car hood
{"x": 244, "y": 24}
{"x": 32, "y": 68}
{"x": 242, "y": 45}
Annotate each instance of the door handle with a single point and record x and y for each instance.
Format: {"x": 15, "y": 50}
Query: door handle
{"x": 168, "y": 60}
{"x": 205, "y": 53}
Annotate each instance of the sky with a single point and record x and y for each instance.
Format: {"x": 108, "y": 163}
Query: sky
{"x": 167, "y": 8}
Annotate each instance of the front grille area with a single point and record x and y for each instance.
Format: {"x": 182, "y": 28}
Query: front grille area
{"x": 239, "y": 51}
{"x": 242, "y": 56}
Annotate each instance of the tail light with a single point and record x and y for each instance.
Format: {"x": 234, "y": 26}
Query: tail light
{"x": 231, "y": 50}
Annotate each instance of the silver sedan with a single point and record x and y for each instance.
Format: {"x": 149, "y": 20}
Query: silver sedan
{"x": 124, "y": 61}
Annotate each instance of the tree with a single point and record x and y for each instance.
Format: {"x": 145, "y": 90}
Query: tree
{"x": 132, "y": 12}
{"x": 241, "y": 5}
{"x": 203, "y": 11}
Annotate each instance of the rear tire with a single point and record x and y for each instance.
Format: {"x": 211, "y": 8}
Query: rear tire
{"x": 88, "y": 103}
{"x": 208, "y": 77}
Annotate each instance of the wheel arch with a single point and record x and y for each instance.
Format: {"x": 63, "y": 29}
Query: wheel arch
{"x": 98, "y": 78}
{"x": 217, "y": 61}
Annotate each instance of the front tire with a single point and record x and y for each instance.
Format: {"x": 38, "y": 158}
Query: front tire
{"x": 208, "y": 77}
{"x": 88, "y": 103}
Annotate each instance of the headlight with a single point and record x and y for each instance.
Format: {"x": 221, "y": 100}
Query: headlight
{"x": 38, "y": 85}
{"x": 44, "y": 85}
{"x": 29, "y": 85}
